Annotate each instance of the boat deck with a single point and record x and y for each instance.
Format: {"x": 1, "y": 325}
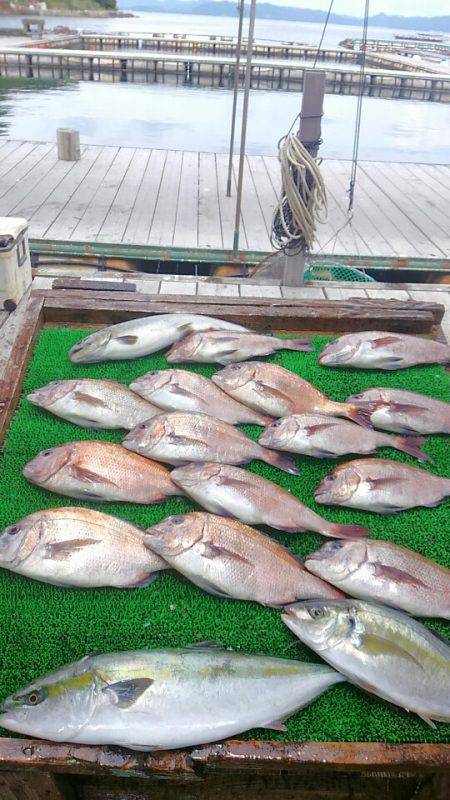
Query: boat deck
{"x": 167, "y": 198}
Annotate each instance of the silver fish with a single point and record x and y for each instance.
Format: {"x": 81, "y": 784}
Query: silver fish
{"x": 93, "y": 404}
{"x": 384, "y": 572}
{"x": 381, "y": 350}
{"x": 231, "y": 491}
{"x": 327, "y": 437}
{"x": 140, "y": 337}
{"x": 382, "y": 650}
{"x": 164, "y": 699}
{"x": 383, "y": 486}
{"x": 226, "y": 347}
{"x": 400, "y": 411}
{"x": 229, "y": 559}
{"x": 274, "y": 390}
{"x": 78, "y": 547}
{"x": 180, "y": 390}
{"x": 178, "y": 437}
{"x": 99, "y": 472}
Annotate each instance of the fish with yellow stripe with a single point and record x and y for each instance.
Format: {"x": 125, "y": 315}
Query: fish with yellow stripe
{"x": 149, "y": 699}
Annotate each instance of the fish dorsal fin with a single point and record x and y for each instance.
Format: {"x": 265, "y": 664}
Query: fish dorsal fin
{"x": 126, "y": 693}
{"x": 394, "y": 574}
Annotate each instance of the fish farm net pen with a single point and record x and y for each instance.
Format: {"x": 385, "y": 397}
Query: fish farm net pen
{"x": 43, "y": 627}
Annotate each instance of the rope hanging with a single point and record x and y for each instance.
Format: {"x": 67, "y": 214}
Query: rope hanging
{"x": 303, "y": 200}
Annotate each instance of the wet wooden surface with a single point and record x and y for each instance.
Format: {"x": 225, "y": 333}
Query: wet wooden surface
{"x": 174, "y": 198}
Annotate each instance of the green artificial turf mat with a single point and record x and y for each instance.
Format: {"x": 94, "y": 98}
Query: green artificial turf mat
{"x": 43, "y": 627}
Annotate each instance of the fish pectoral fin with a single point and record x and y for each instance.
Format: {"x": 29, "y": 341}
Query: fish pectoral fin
{"x": 222, "y": 511}
{"x": 278, "y": 725}
{"x": 424, "y": 718}
{"x": 323, "y": 453}
{"x": 82, "y": 397}
{"x": 384, "y": 341}
{"x": 126, "y": 693}
{"x": 211, "y": 550}
{"x": 377, "y": 646}
{"x": 394, "y": 574}
{"x": 378, "y": 483}
{"x": 62, "y": 550}
{"x": 311, "y": 429}
{"x": 406, "y": 408}
{"x": 183, "y": 441}
{"x": 180, "y": 391}
{"x": 127, "y": 340}
{"x": 201, "y": 645}
{"x": 87, "y": 476}
{"x": 263, "y": 388}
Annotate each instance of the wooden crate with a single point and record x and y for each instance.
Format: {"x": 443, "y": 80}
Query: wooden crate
{"x": 36, "y": 770}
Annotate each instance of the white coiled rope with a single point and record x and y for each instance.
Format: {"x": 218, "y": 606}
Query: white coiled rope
{"x": 303, "y": 201}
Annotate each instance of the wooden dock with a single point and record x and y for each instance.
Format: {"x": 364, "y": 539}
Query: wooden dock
{"x": 208, "y": 70}
{"x": 169, "y": 198}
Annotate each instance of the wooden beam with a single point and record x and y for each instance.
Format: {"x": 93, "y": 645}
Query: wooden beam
{"x": 34, "y": 785}
{"x": 98, "y": 308}
{"x": 94, "y": 286}
{"x": 14, "y": 371}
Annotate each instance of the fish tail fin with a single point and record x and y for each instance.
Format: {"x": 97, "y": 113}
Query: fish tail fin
{"x": 297, "y": 344}
{"x": 361, "y": 414}
{"x": 337, "y": 531}
{"x": 279, "y": 460}
{"x": 411, "y": 445}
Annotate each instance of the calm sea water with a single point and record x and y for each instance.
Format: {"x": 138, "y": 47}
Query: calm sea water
{"x": 188, "y": 118}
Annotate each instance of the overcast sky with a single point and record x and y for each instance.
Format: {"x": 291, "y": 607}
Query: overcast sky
{"x": 423, "y": 8}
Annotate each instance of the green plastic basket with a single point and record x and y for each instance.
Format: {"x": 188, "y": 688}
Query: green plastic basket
{"x": 336, "y": 272}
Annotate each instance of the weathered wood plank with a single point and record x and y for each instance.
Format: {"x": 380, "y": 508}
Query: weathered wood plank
{"x": 34, "y": 785}
{"x": 20, "y": 170}
{"x": 70, "y": 215}
{"x": 163, "y": 224}
{"x": 32, "y": 200}
{"x": 330, "y": 315}
{"x": 256, "y": 231}
{"x": 118, "y": 216}
{"x": 186, "y": 221}
{"x": 259, "y": 290}
{"x": 14, "y": 370}
{"x": 209, "y": 221}
{"x": 141, "y": 218}
{"x": 344, "y": 294}
{"x": 13, "y": 153}
{"x": 24, "y": 188}
{"x": 228, "y": 206}
{"x": 92, "y": 285}
{"x": 359, "y": 756}
{"x": 100, "y": 203}
{"x": 217, "y": 290}
{"x": 43, "y": 218}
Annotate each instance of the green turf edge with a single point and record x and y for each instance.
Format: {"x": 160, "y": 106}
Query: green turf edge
{"x": 43, "y": 627}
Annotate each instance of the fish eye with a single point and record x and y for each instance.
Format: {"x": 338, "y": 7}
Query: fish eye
{"x": 13, "y": 529}
{"x": 142, "y": 426}
{"x": 34, "y": 698}
{"x": 177, "y": 520}
{"x": 46, "y": 452}
{"x": 316, "y": 613}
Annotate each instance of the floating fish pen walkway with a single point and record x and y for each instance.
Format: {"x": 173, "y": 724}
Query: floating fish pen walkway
{"x": 204, "y": 70}
{"x": 170, "y": 198}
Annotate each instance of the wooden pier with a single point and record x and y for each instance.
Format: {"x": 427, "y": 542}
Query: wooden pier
{"x": 208, "y": 70}
{"x": 169, "y": 198}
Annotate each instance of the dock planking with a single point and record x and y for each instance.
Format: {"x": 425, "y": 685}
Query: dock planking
{"x": 177, "y": 198}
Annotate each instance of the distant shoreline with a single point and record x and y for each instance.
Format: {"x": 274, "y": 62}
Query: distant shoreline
{"x": 67, "y": 12}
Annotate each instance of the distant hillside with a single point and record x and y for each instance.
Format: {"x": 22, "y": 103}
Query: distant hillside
{"x": 225, "y": 8}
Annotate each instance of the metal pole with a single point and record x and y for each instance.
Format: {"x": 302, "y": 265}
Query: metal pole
{"x": 235, "y": 94}
{"x": 248, "y": 73}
